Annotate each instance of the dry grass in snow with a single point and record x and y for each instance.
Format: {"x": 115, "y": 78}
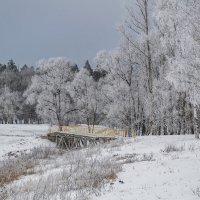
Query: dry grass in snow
{"x": 154, "y": 167}
{"x": 51, "y": 174}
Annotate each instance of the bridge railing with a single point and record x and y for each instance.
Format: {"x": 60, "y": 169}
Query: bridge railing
{"x": 99, "y": 130}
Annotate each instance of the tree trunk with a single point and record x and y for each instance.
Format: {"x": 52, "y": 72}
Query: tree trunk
{"x": 88, "y": 124}
{"x": 60, "y": 127}
{"x": 196, "y": 123}
{"x": 149, "y": 60}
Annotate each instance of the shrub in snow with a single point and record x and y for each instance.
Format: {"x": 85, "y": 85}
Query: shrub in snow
{"x": 12, "y": 169}
{"x": 197, "y": 192}
{"x": 147, "y": 157}
{"x": 172, "y": 148}
{"x": 191, "y": 147}
{"x": 73, "y": 175}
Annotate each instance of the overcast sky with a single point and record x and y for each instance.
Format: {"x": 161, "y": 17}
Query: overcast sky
{"x": 77, "y": 29}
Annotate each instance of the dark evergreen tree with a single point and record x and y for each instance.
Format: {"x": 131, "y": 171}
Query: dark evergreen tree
{"x": 75, "y": 68}
{"x": 2, "y": 68}
{"x": 88, "y": 67}
{"x": 97, "y": 74}
{"x": 11, "y": 66}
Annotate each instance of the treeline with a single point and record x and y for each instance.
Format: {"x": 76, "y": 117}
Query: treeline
{"x": 150, "y": 83}
{"x": 15, "y": 81}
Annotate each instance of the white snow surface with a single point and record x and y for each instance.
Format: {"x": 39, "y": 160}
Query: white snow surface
{"x": 170, "y": 176}
{"x": 15, "y": 138}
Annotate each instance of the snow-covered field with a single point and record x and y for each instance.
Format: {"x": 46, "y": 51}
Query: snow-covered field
{"x": 14, "y": 138}
{"x": 171, "y": 175}
{"x": 153, "y": 167}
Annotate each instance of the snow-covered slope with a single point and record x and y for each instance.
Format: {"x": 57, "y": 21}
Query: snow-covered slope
{"x": 14, "y": 138}
{"x": 170, "y": 170}
{"x": 153, "y": 167}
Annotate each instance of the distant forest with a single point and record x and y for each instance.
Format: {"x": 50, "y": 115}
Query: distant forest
{"x": 14, "y": 81}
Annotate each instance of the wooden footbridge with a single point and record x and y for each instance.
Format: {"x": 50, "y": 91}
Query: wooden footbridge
{"x": 76, "y": 141}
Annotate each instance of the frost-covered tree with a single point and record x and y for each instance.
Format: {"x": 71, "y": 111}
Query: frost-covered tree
{"x": 178, "y": 24}
{"x": 9, "y": 105}
{"x": 143, "y": 87}
{"x": 10, "y": 77}
{"x": 118, "y": 88}
{"x": 50, "y": 89}
{"x": 136, "y": 32}
{"x": 130, "y": 70}
{"x": 87, "y": 95}
{"x": 16, "y": 80}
